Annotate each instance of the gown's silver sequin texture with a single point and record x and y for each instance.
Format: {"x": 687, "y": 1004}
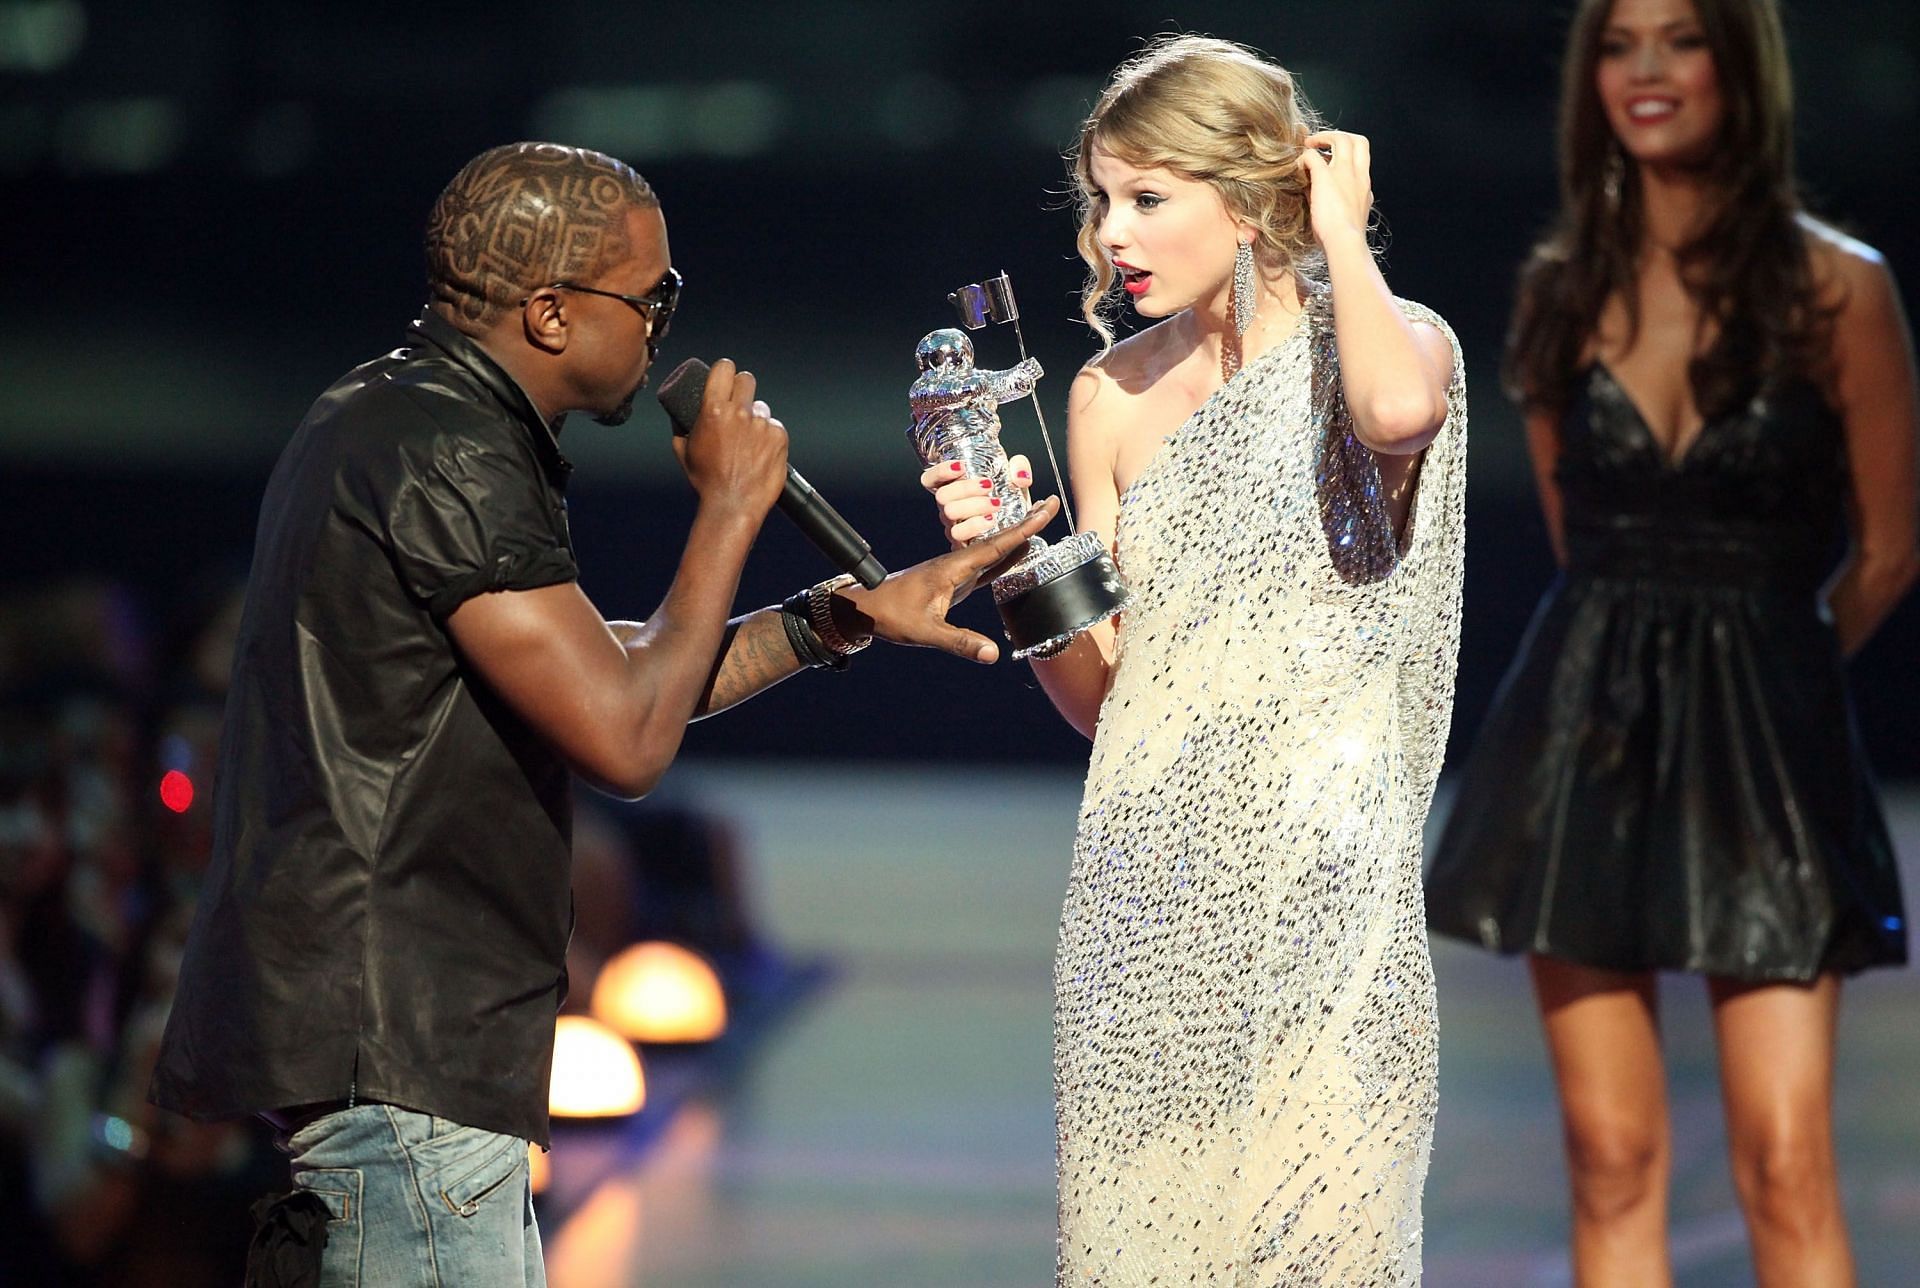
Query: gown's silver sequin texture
{"x": 1244, "y": 1051}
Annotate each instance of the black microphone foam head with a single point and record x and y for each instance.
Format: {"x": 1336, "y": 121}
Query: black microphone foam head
{"x": 681, "y": 392}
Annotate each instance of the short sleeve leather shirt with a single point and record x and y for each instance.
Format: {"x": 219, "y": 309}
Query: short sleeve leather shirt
{"x": 387, "y": 909}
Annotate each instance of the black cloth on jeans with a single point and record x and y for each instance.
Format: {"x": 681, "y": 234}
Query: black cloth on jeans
{"x": 387, "y": 909}
{"x": 289, "y": 1241}
{"x": 1670, "y": 777}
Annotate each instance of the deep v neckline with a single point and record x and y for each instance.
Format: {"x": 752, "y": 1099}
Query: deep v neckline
{"x": 1671, "y": 462}
{"x": 1182, "y": 430}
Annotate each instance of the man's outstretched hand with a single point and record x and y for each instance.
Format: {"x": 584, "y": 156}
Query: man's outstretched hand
{"x": 911, "y": 607}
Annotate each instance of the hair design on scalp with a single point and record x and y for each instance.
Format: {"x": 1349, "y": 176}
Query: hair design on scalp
{"x": 523, "y": 216}
{"x": 1210, "y": 110}
{"x": 1749, "y": 271}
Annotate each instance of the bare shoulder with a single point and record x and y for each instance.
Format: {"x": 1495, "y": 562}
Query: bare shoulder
{"x": 1872, "y": 363}
{"x": 1110, "y": 378}
{"x": 1093, "y": 384}
{"x": 1848, "y": 272}
{"x": 1836, "y": 249}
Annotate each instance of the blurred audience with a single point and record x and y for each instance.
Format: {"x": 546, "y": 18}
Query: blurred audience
{"x": 97, "y": 877}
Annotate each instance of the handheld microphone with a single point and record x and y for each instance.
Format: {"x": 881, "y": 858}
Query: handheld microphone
{"x": 680, "y": 394}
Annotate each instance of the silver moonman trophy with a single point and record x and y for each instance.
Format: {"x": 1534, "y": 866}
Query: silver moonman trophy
{"x": 1054, "y": 592}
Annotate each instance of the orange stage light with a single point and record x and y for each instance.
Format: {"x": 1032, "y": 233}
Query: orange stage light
{"x": 660, "y": 992}
{"x": 595, "y": 1073}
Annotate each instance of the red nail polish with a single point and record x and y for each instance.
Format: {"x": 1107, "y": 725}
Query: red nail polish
{"x": 986, "y": 482}
{"x": 954, "y": 466}
{"x": 996, "y": 502}
{"x": 1023, "y": 475}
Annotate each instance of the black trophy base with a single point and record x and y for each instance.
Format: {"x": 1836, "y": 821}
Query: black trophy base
{"x": 1045, "y": 617}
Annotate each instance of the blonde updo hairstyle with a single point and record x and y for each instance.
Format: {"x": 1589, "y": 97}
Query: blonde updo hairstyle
{"x": 1214, "y": 111}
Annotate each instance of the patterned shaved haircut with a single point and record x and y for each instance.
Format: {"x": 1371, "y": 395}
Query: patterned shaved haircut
{"x": 523, "y": 216}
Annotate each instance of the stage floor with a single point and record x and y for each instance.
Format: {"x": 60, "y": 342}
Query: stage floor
{"x": 896, "y": 1132}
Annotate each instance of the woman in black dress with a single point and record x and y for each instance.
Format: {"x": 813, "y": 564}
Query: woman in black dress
{"x": 1716, "y": 387}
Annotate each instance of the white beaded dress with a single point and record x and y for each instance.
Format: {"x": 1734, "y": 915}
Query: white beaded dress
{"x": 1244, "y": 1020}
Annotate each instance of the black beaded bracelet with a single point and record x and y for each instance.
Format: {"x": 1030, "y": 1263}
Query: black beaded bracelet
{"x": 803, "y": 639}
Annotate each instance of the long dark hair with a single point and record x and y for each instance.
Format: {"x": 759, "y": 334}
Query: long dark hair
{"x": 1749, "y": 272}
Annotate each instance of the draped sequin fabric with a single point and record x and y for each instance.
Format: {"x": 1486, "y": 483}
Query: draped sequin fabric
{"x": 1244, "y": 1056}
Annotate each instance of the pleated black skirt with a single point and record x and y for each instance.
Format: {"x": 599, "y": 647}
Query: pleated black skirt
{"x": 1671, "y": 779}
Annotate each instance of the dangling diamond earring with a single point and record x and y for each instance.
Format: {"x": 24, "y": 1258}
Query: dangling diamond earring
{"x": 1242, "y": 300}
{"x": 1246, "y": 297}
{"x": 1616, "y": 174}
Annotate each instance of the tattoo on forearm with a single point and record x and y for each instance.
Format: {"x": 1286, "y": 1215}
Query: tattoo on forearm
{"x": 754, "y": 655}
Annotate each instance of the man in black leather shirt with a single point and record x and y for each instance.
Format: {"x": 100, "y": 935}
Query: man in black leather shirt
{"x": 378, "y": 954}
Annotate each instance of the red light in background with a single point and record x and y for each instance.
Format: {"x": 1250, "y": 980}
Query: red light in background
{"x": 176, "y": 791}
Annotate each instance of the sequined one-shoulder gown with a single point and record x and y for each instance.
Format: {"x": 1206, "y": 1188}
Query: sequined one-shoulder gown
{"x": 1245, "y": 1030}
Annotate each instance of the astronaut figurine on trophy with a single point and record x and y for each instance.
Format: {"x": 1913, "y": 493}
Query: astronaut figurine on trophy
{"x": 1054, "y": 592}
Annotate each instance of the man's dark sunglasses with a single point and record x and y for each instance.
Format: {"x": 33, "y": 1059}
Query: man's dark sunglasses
{"x": 656, "y": 306}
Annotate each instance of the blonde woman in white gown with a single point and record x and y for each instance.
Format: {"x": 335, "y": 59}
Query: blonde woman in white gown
{"x": 1244, "y": 1060}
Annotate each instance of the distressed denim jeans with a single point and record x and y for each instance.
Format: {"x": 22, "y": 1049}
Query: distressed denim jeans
{"x": 419, "y": 1201}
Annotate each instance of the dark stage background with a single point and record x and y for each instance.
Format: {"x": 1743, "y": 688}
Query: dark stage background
{"x": 213, "y": 208}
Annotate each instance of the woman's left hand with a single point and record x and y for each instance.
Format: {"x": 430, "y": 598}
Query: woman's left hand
{"x": 1340, "y": 195}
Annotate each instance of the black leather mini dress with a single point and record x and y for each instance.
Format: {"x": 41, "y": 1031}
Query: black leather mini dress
{"x": 1670, "y": 777}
